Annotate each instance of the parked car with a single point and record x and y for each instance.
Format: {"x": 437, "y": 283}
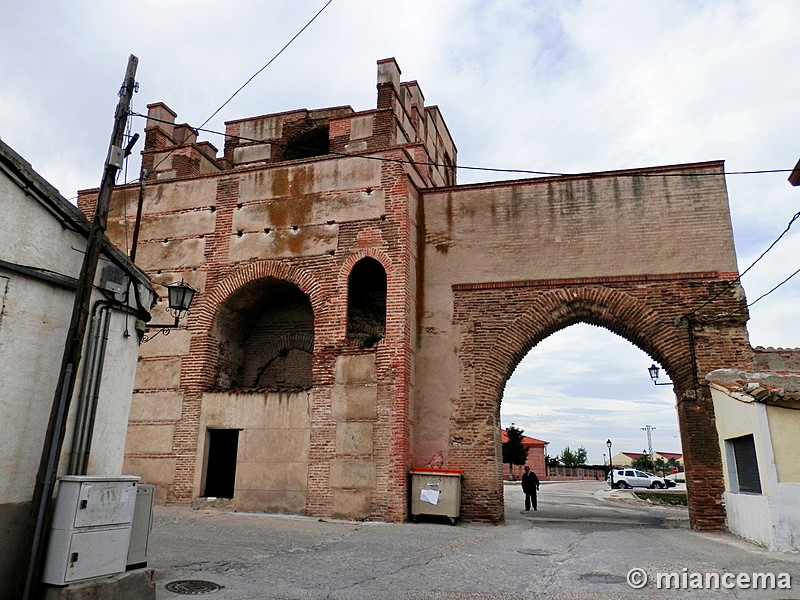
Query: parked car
{"x": 627, "y": 478}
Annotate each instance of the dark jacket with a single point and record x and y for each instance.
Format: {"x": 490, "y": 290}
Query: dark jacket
{"x": 530, "y": 482}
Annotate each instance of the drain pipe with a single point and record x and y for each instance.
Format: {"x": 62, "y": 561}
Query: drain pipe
{"x": 105, "y": 318}
{"x": 92, "y": 369}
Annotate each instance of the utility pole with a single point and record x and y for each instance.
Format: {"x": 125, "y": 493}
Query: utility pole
{"x": 73, "y": 348}
{"x": 794, "y": 178}
{"x": 649, "y": 429}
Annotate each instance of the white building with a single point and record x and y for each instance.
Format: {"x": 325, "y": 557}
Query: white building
{"x": 42, "y": 242}
{"x": 758, "y": 419}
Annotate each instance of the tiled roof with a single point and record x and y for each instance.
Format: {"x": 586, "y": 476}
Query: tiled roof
{"x": 526, "y": 440}
{"x": 778, "y": 388}
{"x": 771, "y": 349}
{"x": 668, "y": 455}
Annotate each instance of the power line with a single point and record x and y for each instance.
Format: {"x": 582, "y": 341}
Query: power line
{"x": 761, "y": 297}
{"x": 256, "y": 74}
{"x": 271, "y": 60}
{"x": 543, "y": 173}
{"x": 743, "y": 273}
{"x": 463, "y": 167}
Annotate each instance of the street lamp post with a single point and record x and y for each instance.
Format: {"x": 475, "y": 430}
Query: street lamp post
{"x": 179, "y": 299}
{"x": 610, "y": 466}
{"x": 653, "y": 370}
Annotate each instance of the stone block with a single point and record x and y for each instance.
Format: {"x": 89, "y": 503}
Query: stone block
{"x": 272, "y": 476}
{"x": 263, "y": 128}
{"x": 253, "y": 153}
{"x": 311, "y": 178}
{"x": 359, "y": 368}
{"x": 172, "y": 254}
{"x": 159, "y": 471}
{"x": 183, "y": 224}
{"x": 352, "y": 504}
{"x": 354, "y": 402}
{"x": 275, "y": 501}
{"x": 310, "y": 240}
{"x": 180, "y": 195}
{"x": 173, "y": 344}
{"x": 271, "y": 446}
{"x": 274, "y": 410}
{"x": 353, "y": 474}
{"x": 149, "y": 439}
{"x": 158, "y": 374}
{"x": 361, "y": 127}
{"x": 354, "y": 438}
{"x": 157, "y": 406}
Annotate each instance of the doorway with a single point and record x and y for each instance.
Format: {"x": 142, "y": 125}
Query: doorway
{"x": 223, "y": 447}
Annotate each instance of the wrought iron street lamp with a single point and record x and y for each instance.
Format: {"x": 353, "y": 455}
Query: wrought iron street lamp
{"x": 610, "y": 466}
{"x": 179, "y": 299}
{"x": 653, "y": 370}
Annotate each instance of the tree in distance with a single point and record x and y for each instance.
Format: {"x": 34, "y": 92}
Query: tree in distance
{"x": 573, "y": 459}
{"x": 514, "y": 452}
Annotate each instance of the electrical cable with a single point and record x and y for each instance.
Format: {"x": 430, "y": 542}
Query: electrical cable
{"x": 743, "y": 273}
{"x": 761, "y": 297}
{"x": 463, "y": 167}
{"x": 256, "y": 74}
{"x": 271, "y": 60}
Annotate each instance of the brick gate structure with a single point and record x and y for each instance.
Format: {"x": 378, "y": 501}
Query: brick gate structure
{"x": 359, "y": 313}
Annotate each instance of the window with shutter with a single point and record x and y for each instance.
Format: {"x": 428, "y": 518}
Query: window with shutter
{"x": 746, "y": 473}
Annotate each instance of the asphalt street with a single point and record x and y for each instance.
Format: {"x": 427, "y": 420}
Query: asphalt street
{"x": 581, "y": 544}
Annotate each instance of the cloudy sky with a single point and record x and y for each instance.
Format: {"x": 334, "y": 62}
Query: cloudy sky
{"x": 568, "y": 87}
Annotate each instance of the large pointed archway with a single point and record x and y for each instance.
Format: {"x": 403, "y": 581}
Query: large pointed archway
{"x": 500, "y": 323}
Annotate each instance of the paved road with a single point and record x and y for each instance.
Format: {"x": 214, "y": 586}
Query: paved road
{"x": 580, "y": 544}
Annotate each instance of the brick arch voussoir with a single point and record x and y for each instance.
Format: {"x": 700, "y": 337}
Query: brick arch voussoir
{"x": 616, "y": 311}
{"x": 358, "y": 255}
{"x": 304, "y": 280}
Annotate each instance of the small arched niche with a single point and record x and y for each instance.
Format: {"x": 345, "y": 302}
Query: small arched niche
{"x": 264, "y": 335}
{"x": 366, "y": 302}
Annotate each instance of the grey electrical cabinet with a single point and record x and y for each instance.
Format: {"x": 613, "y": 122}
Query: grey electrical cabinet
{"x": 141, "y": 527}
{"x": 436, "y": 492}
{"x": 91, "y": 528}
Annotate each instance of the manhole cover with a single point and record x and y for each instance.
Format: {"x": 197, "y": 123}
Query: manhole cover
{"x": 192, "y": 587}
{"x": 534, "y": 552}
{"x": 602, "y": 578}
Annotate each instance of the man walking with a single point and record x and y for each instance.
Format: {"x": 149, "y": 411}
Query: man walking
{"x": 530, "y": 485}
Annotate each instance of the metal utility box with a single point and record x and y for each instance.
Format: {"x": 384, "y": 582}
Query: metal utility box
{"x": 91, "y": 528}
{"x": 141, "y": 527}
{"x": 436, "y": 492}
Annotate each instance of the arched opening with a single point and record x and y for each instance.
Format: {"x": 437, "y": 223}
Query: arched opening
{"x": 578, "y": 388}
{"x": 494, "y": 341}
{"x": 264, "y": 334}
{"x": 366, "y": 302}
{"x": 314, "y": 142}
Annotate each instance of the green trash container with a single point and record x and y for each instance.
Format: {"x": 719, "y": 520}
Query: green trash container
{"x": 436, "y": 492}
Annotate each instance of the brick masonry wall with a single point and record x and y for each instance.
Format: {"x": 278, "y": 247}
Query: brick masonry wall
{"x": 500, "y": 323}
{"x": 476, "y": 275}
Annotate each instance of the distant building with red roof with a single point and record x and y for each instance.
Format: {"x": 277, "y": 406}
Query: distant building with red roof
{"x": 623, "y": 459}
{"x": 537, "y": 451}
